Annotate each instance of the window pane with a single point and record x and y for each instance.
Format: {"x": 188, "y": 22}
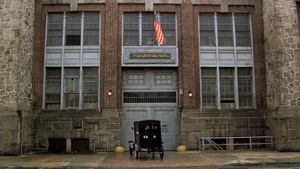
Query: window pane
{"x": 148, "y": 34}
{"x": 73, "y": 29}
{"x": 91, "y": 28}
{"x": 245, "y": 87}
{"x": 90, "y": 88}
{"x": 168, "y": 25}
{"x": 55, "y": 29}
{"x": 207, "y": 30}
{"x": 208, "y": 79}
{"x": 136, "y": 79}
{"x": 131, "y": 29}
{"x": 225, "y": 30}
{"x": 242, "y": 28}
{"x": 71, "y": 88}
{"x": 227, "y": 87}
{"x": 52, "y": 89}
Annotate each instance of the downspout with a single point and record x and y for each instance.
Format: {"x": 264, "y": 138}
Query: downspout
{"x": 18, "y": 78}
{"x": 20, "y": 115}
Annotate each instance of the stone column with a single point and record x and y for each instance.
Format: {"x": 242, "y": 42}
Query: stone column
{"x": 16, "y": 52}
{"x": 282, "y": 47}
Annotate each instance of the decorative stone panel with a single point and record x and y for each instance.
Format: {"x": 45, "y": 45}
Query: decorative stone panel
{"x": 150, "y": 56}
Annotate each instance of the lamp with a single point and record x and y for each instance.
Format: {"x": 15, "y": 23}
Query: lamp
{"x": 109, "y": 92}
{"x": 190, "y": 94}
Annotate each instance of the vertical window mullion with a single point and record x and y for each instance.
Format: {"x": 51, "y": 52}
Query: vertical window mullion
{"x": 218, "y": 100}
{"x": 236, "y": 89}
{"x": 62, "y": 64}
{"x": 81, "y": 60}
{"x": 140, "y": 28}
{"x": 253, "y": 69}
{"x": 123, "y": 28}
{"x": 176, "y": 34}
{"x": 45, "y": 47}
{"x": 98, "y": 93}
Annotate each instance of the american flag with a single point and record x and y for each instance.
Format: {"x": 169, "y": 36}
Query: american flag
{"x": 158, "y": 31}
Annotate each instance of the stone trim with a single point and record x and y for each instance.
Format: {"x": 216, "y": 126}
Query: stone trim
{"x": 73, "y": 3}
{"x": 49, "y": 2}
{"x": 222, "y": 2}
{"x": 154, "y": 1}
{"x": 56, "y": 1}
{"x": 92, "y": 1}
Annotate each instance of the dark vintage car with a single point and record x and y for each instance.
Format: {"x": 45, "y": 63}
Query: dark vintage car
{"x": 147, "y": 138}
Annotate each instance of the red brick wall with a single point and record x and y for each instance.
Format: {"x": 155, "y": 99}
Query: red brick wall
{"x": 111, "y": 28}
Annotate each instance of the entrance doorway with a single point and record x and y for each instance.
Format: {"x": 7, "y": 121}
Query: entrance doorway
{"x": 151, "y": 95}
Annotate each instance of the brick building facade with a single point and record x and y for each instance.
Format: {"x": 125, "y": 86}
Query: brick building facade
{"x": 76, "y": 73}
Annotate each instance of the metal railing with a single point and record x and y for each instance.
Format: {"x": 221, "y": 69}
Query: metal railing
{"x": 233, "y": 143}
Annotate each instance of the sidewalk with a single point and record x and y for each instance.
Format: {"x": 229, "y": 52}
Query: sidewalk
{"x": 186, "y": 160}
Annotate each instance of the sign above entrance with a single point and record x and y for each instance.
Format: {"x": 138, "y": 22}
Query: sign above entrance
{"x": 150, "y": 56}
{"x": 153, "y": 56}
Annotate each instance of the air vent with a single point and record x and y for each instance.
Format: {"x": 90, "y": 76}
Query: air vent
{"x": 149, "y": 97}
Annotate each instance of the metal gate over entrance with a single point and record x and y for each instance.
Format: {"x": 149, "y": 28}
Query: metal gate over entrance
{"x": 150, "y": 95}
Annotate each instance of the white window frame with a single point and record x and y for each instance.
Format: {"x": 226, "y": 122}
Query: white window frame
{"x": 235, "y": 65}
{"x": 63, "y": 66}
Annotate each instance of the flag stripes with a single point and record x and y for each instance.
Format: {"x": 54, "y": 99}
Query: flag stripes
{"x": 158, "y": 32}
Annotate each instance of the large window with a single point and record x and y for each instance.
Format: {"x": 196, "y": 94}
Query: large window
{"x": 226, "y": 61}
{"x": 71, "y": 61}
{"x": 138, "y": 29}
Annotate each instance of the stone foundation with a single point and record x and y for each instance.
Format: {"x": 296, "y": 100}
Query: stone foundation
{"x": 16, "y": 133}
{"x": 214, "y": 123}
{"x": 284, "y": 125}
{"x": 103, "y": 129}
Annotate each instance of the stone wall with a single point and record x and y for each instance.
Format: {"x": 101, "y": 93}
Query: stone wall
{"x": 214, "y": 123}
{"x": 102, "y": 129}
{"x": 16, "y": 51}
{"x": 282, "y": 51}
{"x": 284, "y": 125}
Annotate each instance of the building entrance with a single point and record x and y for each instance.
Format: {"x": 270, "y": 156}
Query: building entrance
{"x": 150, "y": 95}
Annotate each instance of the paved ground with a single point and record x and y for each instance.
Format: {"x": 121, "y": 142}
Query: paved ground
{"x": 186, "y": 160}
